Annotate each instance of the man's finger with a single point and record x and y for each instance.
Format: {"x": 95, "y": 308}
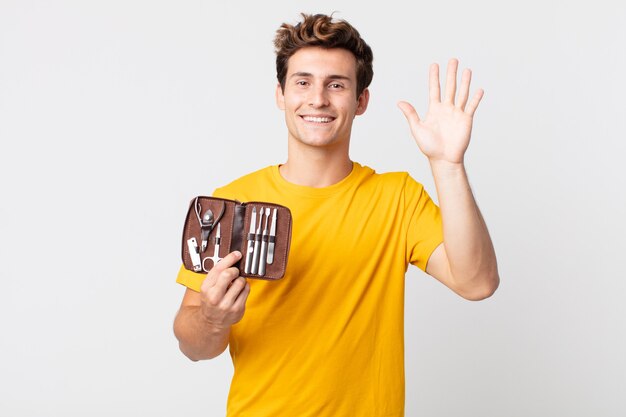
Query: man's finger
{"x": 434, "y": 92}
{"x": 409, "y": 112}
{"x": 236, "y": 287}
{"x": 453, "y": 64}
{"x": 227, "y": 262}
{"x": 240, "y": 301}
{"x": 466, "y": 79}
{"x": 473, "y": 104}
{"x": 411, "y": 116}
{"x": 224, "y": 279}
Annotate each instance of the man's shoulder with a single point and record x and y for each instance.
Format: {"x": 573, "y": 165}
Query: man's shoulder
{"x": 238, "y": 188}
{"x": 395, "y": 179}
{"x": 262, "y": 174}
{"x": 394, "y": 186}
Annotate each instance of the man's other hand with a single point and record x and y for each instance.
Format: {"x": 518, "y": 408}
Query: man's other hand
{"x": 223, "y": 293}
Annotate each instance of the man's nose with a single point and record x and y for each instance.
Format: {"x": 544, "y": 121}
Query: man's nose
{"x": 318, "y": 96}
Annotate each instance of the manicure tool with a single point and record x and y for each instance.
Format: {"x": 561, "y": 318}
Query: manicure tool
{"x": 257, "y": 240}
{"x": 206, "y": 224}
{"x": 272, "y": 238}
{"x": 194, "y": 254}
{"x": 216, "y": 251}
{"x": 250, "y": 248}
{"x": 264, "y": 243}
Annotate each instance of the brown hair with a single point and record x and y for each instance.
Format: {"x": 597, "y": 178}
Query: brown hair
{"x": 322, "y": 31}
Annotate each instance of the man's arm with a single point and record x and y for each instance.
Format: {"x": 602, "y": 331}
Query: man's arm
{"x": 466, "y": 261}
{"x": 202, "y": 325}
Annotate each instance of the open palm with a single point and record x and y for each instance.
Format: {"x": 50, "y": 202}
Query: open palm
{"x": 444, "y": 134}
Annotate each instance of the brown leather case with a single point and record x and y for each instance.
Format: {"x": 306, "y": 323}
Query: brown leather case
{"x": 234, "y": 220}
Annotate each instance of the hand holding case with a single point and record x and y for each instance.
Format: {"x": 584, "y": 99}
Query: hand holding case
{"x": 212, "y": 221}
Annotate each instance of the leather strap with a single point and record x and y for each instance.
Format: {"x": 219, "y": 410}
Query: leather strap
{"x": 240, "y": 212}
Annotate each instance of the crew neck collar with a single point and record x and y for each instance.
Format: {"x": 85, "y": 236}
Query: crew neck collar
{"x": 307, "y": 191}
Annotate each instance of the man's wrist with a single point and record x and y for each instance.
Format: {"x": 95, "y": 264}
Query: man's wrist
{"x": 211, "y": 327}
{"x": 446, "y": 168}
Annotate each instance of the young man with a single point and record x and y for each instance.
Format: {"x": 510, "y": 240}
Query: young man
{"x": 328, "y": 339}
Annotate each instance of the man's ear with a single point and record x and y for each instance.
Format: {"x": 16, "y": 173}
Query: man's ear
{"x": 362, "y": 101}
{"x": 280, "y": 97}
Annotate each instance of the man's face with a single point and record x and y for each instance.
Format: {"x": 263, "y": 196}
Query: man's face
{"x": 319, "y": 99}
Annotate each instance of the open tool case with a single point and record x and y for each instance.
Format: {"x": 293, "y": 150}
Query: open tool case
{"x": 214, "y": 227}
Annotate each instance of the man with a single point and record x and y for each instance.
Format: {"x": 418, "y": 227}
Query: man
{"x": 328, "y": 339}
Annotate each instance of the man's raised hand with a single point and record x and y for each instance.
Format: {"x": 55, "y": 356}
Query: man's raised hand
{"x": 444, "y": 134}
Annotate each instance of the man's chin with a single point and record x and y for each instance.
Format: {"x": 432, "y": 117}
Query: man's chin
{"x": 326, "y": 143}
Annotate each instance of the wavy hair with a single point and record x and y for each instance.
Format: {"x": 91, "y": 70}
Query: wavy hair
{"x": 322, "y": 31}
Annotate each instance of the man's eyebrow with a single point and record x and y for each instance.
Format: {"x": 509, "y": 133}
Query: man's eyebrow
{"x": 301, "y": 74}
{"x": 331, "y": 77}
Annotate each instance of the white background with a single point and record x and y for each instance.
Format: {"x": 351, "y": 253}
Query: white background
{"x": 114, "y": 114}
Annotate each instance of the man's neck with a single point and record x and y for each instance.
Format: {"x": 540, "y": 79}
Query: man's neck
{"x": 316, "y": 170}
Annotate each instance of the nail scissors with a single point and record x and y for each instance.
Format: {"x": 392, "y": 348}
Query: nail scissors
{"x": 216, "y": 251}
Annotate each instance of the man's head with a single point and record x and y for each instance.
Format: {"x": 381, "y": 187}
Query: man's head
{"x": 322, "y": 31}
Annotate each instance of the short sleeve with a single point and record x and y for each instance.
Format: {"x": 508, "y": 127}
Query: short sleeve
{"x": 190, "y": 279}
{"x": 422, "y": 219}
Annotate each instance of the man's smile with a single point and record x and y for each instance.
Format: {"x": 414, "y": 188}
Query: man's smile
{"x": 317, "y": 119}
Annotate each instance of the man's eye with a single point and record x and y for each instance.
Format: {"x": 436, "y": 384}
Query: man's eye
{"x": 301, "y": 83}
{"x": 336, "y": 86}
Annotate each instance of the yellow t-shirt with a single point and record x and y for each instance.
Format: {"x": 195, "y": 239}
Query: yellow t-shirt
{"x": 327, "y": 340}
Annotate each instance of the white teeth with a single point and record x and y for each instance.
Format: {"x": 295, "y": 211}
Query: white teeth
{"x": 317, "y": 119}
